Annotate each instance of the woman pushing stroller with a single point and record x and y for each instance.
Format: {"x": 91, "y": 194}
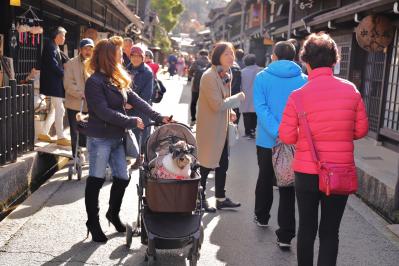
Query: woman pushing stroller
{"x": 107, "y": 91}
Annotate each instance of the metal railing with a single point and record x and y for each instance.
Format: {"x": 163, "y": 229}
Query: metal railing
{"x": 17, "y": 132}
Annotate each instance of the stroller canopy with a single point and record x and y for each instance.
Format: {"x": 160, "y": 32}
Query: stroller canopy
{"x": 166, "y": 135}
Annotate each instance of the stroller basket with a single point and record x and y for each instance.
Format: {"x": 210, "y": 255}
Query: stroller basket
{"x": 172, "y": 195}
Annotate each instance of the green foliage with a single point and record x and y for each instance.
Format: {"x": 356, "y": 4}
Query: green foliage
{"x": 169, "y": 13}
{"x": 162, "y": 40}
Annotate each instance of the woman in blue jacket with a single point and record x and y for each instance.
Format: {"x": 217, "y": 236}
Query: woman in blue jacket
{"x": 143, "y": 85}
{"x": 107, "y": 91}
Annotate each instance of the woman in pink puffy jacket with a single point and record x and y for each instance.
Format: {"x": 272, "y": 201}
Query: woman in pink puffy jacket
{"x": 336, "y": 116}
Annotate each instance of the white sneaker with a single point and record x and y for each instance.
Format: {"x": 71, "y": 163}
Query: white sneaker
{"x": 259, "y": 223}
{"x": 283, "y": 245}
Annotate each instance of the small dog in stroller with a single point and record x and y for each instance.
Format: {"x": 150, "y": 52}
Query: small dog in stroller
{"x": 169, "y": 215}
{"x": 174, "y": 161}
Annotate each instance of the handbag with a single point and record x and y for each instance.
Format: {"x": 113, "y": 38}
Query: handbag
{"x": 131, "y": 145}
{"x": 233, "y": 134}
{"x": 282, "y": 157}
{"x": 130, "y": 142}
{"x": 334, "y": 179}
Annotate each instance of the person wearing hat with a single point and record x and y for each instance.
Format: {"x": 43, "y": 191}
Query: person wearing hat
{"x": 51, "y": 85}
{"x": 142, "y": 84}
{"x": 127, "y": 46}
{"x": 74, "y": 83}
{"x": 149, "y": 60}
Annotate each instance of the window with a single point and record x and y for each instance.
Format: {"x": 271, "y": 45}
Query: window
{"x": 372, "y": 87}
{"x": 391, "y": 110}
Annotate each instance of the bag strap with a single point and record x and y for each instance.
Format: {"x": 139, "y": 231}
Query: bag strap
{"x": 302, "y": 117}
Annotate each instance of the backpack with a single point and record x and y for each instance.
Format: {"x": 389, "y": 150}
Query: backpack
{"x": 236, "y": 82}
{"x": 158, "y": 92}
{"x": 198, "y": 74}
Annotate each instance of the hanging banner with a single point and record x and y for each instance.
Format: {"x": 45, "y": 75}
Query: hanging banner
{"x": 374, "y": 33}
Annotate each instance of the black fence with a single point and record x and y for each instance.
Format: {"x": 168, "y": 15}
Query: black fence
{"x": 17, "y": 131}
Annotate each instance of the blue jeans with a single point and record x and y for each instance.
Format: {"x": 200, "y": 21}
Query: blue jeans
{"x": 107, "y": 151}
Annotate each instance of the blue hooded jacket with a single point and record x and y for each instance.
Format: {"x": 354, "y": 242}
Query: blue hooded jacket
{"x": 272, "y": 87}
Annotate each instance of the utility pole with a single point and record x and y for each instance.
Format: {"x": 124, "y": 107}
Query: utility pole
{"x": 224, "y": 26}
{"x": 290, "y": 19}
{"x": 242, "y": 2}
{"x": 262, "y": 15}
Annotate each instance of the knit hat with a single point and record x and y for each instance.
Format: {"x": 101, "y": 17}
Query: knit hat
{"x": 136, "y": 50}
{"x": 149, "y": 54}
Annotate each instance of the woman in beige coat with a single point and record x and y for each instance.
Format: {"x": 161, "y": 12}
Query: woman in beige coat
{"x": 214, "y": 112}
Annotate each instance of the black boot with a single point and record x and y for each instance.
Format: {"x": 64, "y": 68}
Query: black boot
{"x": 93, "y": 186}
{"x": 115, "y": 201}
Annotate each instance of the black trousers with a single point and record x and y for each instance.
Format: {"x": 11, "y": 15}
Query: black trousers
{"x": 193, "y": 105}
{"x": 73, "y": 127}
{"x": 237, "y": 111}
{"x": 264, "y": 198}
{"x": 250, "y": 121}
{"x": 220, "y": 175}
{"x": 332, "y": 209}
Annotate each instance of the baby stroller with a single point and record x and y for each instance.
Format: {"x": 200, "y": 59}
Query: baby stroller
{"x": 169, "y": 210}
{"x": 77, "y": 165}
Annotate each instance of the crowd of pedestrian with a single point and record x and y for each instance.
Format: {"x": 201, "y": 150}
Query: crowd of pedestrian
{"x": 294, "y": 104}
{"x": 316, "y": 115}
{"x": 111, "y": 82}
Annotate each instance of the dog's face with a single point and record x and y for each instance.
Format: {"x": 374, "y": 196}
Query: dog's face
{"x": 181, "y": 152}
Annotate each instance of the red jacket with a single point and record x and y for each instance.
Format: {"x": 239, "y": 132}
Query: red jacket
{"x": 336, "y": 115}
{"x": 154, "y": 67}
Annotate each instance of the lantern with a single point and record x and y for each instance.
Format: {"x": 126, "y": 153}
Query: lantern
{"x": 15, "y": 2}
{"x": 374, "y": 33}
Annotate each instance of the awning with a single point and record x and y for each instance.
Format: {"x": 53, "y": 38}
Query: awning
{"x": 351, "y": 9}
{"x": 133, "y": 18}
{"x": 345, "y": 11}
{"x": 117, "y": 3}
{"x": 82, "y": 15}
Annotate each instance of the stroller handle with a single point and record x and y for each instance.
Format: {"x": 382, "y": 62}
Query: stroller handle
{"x": 157, "y": 123}
{"x": 140, "y": 140}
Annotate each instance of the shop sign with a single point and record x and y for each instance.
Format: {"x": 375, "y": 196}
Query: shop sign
{"x": 305, "y": 4}
{"x": 374, "y": 33}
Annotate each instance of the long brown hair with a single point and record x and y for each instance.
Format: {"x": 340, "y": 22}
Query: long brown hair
{"x": 104, "y": 60}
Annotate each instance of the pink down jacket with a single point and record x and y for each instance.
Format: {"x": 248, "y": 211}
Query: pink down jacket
{"x": 336, "y": 115}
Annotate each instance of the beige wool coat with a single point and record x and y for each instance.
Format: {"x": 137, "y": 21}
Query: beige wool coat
{"x": 74, "y": 83}
{"x": 214, "y": 106}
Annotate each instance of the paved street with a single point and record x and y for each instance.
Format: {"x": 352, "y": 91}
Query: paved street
{"x": 49, "y": 227}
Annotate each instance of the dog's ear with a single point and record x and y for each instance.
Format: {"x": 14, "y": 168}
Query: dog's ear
{"x": 171, "y": 149}
{"x": 191, "y": 148}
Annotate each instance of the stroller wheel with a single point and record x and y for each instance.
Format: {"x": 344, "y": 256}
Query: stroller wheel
{"x": 135, "y": 230}
{"x": 150, "y": 260}
{"x": 70, "y": 172}
{"x": 129, "y": 235}
{"x": 79, "y": 171}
